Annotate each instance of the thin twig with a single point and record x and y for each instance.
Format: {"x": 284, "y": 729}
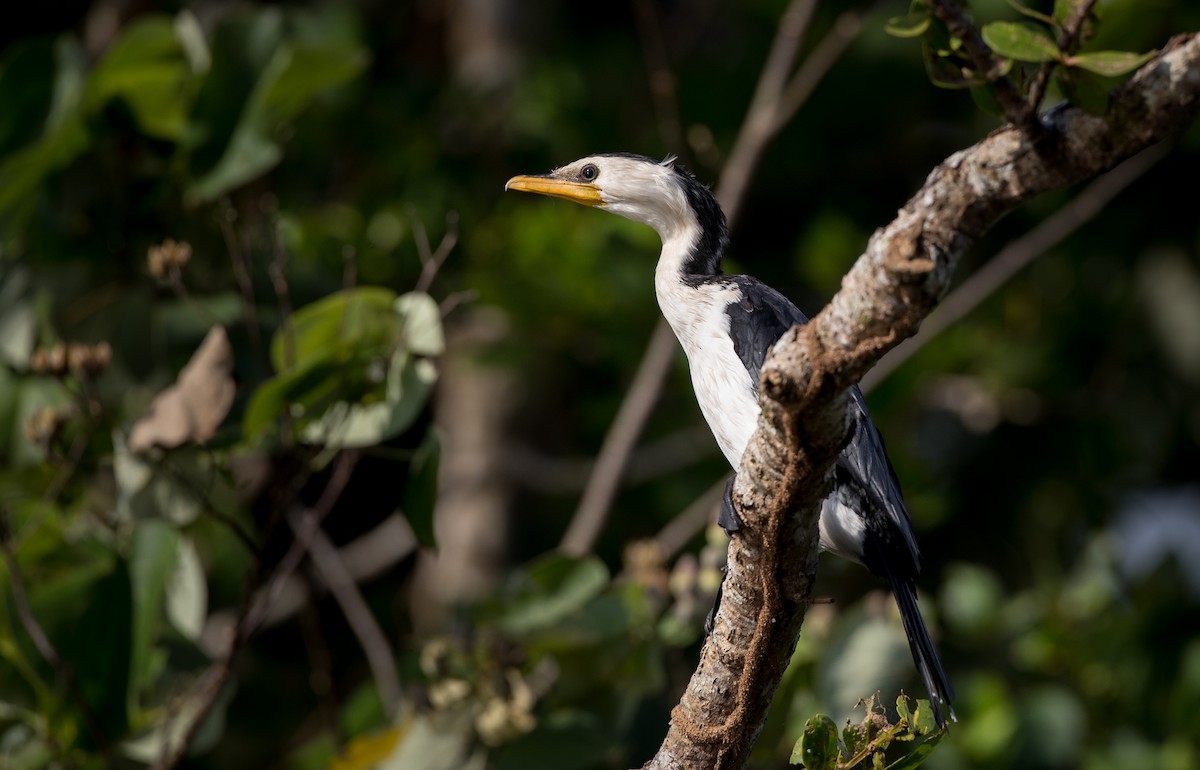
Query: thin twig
{"x": 818, "y": 63}
{"x": 370, "y": 637}
{"x": 431, "y": 262}
{"x": 1016, "y": 255}
{"x": 1068, "y": 42}
{"x": 310, "y": 522}
{"x": 256, "y": 606}
{"x": 762, "y": 121}
{"x": 240, "y": 532}
{"x": 619, "y": 442}
{"x": 960, "y": 26}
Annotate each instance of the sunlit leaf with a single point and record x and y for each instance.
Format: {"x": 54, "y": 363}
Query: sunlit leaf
{"x": 1021, "y": 41}
{"x": 300, "y": 394}
{"x": 146, "y": 68}
{"x": 366, "y": 752}
{"x": 918, "y": 755}
{"x": 1109, "y": 63}
{"x": 187, "y": 592}
{"x": 817, "y": 748}
{"x": 346, "y": 424}
{"x": 913, "y": 25}
{"x": 360, "y": 317}
{"x": 422, "y": 324}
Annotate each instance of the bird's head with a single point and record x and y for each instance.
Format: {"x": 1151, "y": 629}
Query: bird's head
{"x": 655, "y": 193}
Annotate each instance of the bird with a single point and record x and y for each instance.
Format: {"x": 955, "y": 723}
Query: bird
{"x": 727, "y": 325}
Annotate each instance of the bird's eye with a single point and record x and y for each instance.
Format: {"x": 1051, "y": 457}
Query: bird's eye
{"x": 589, "y": 172}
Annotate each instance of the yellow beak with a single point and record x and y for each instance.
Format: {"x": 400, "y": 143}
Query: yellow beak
{"x": 580, "y": 192}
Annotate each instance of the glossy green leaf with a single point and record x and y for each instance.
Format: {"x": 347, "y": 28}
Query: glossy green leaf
{"x": 300, "y": 394}
{"x": 146, "y": 68}
{"x": 817, "y": 747}
{"x": 1109, "y": 63}
{"x": 420, "y": 493}
{"x": 293, "y": 77}
{"x": 918, "y": 755}
{"x": 347, "y": 424}
{"x": 1021, "y": 41}
{"x": 362, "y": 318}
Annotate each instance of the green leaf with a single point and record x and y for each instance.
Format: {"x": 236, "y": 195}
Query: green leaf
{"x": 922, "y": 721}
{"x": 1109, "y": 63}
{"x": 187, "y": 593}
{"x": 1021, "y": 41}
{"x": 295, "y": 75}
{"x": 153, "y": 553}
{"x": 817, "y": 748}
{"x": 422, "y": 320}
{"x": 918, "y": 755}
{"x": 1025, "y": 10}
{"x": 146, "y": 68}
{"x": 559, "y": 586}
{"x": 915, "y": 24}
{"x": 420, "y": 493}
{"x": 299, "y": 393}
{"x": 346, "y": 424}
{"x": 363, "y": 317}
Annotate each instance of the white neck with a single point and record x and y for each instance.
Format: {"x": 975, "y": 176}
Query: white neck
{"x": 675, "y": 297}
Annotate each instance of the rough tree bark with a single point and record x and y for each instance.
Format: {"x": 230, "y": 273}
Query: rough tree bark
{"x": 906, "y": 268}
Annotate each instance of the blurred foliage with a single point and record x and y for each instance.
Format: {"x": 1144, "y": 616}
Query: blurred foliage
{"x": 279, "y": 172}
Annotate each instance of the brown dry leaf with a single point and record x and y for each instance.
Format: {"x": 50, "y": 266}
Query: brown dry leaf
{"x": 190, "y": 410}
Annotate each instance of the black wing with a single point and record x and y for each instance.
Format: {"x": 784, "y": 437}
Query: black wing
{"x": 864, "y": 478}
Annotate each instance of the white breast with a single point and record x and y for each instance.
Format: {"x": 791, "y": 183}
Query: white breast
{"x": 722, "y": 385}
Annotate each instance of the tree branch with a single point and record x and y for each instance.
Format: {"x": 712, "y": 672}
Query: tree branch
{"x": 784, "y": 474}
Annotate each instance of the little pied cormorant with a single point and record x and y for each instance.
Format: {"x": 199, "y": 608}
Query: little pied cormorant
{"x": 727, "y": 325}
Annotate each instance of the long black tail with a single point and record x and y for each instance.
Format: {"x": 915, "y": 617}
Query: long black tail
{"x": 941, "y": 694}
